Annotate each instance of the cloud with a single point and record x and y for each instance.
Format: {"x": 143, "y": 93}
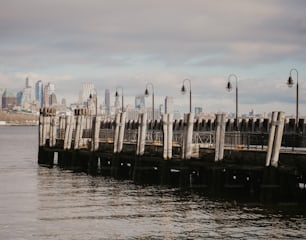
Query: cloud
{"x": 132, "y": 42}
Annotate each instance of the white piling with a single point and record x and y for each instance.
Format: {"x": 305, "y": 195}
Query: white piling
{"x": 116, "y": 132}
{"x": 41, "y": 129}
{"x": 67, "y": 132}
{"x": 78, "y": 131}
{"x": 169, "y": 135}
{"x": 165, "y": 135}
{"x": 271, "y": 138}
{"x": 142, "y": 130}
{"x": 53, "y": 131}
{"x": 278, "y": 139}
{"x": 187, "y": 142}
{"x": 219, "y": 137}
{"x": 96, "y": 137}
{"x": 121, "y": 131}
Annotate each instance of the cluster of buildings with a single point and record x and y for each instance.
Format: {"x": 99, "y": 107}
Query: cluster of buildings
{"x": 37, "y": 94}
{"x": 89, "y": 99}
{"x": 33, "y": 96}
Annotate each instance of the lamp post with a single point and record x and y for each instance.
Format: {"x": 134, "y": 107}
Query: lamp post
{"x": 147, "y": 94}
{"x": 229, "y": 88}
{"x": 184, "y": 90}
{"x": 96, "y": 100}
{"x": 290, "y": 83}
{"x": 117, "y": 95}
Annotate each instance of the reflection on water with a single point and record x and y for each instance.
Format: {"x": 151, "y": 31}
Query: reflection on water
{"x": 43, "y": 203}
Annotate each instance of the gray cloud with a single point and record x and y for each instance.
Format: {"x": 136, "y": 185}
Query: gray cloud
{"x": 134, "y": 41}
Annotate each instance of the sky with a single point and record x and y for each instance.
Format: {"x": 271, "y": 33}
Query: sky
{"x": 130, "y": 43}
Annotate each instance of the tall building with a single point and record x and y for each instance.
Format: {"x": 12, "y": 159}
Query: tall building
{"x": 197, "y": 111}
{"x": 1, "y": 93}
{"x": 52, "y": 99}
{"x": 9, "y": 100}
{"x": 39, "y": 92}
{"x": 140, "y": 102}
{"x": 107, "y": 101}
{"x": 169, "y": 104}
{"x": 29, "y": 85}
{"x": 87, "y": 89}
{"x": 49, "y": 89}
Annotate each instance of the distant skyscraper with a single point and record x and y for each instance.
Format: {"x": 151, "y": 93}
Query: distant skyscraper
{"x": 49, "y": 89}
{"x": 39, "y": 91}
{"x": 168, "y": 104}
{"x": 107, "y": 100}
{"x": 197, "y": 111}
{"x": 52, "y": 99}
{"x": 87, "y": 89}
{"x": 140, "y": 102}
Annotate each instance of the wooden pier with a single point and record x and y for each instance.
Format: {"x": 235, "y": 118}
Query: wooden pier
{"x": 263, "y": 161}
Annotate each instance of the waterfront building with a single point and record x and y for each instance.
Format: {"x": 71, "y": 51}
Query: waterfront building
{"x": 107, "y": 101}
{"x": 9, "y": 100}
{"x": 49, "y": 89}
{"x": 39, "y": 92}
{"x": 140, "y": 102}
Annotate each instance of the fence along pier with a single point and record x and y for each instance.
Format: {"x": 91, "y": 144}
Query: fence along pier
{"x": 263, "y": 160}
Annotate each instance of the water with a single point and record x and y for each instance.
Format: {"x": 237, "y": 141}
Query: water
{"x": 43, "y": 203}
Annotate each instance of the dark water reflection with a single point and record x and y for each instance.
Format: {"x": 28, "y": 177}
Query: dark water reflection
{"x": 43, "y": 203}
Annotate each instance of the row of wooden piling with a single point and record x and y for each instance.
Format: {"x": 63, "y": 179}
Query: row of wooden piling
{"x": 219, "y": 171}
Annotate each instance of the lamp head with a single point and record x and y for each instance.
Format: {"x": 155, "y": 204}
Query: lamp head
{"x": 146, "y": 92}
{"x": 90, "y": 96}
{"x": 229, "y": 86}
{"x": 183, "y": 89}
{"x": 290, "y": 82}
{"x": 116, "y": 94}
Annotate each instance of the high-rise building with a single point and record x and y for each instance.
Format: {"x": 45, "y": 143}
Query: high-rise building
{"x": 49, "y": 89}
{"x": 9, "y": 100}
{"x": 52, "y": 99}
{"x": 140, "y": 102}
{"x": 197, "y": 111}
{"x": 39, "y": 92}
{"x": 107, "y": 101}
{"x": 87, "y": 89}
{"x": 169, "y": 104}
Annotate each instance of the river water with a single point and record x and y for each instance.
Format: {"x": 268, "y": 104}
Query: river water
{"x": 49, "y": 203}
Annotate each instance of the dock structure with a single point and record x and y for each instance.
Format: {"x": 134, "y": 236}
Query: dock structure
{"x": 264, "y": 160}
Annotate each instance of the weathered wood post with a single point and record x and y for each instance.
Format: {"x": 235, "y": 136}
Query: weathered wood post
{"x": 220, "y": 136}
{"x": 116, "y": 132}
{"x": 187, "y": 140}
{"x": 142, "y": 129}
{"x": 96, "y": 133}
{"x": 121, "y": 131}
{"x": 79, "y": 128}
{"x": 118, "y": 142}
{"x": 53, "y": 127}
{"x": 167, "y": 135}
{"x": 275, "y": 138}
{"x": 271, "y": 138}
{"x": 278, "y": 138}
{"x": 68, "y": 132}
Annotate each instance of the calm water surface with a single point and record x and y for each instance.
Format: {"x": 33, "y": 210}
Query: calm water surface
{"x": 42, "y": 203}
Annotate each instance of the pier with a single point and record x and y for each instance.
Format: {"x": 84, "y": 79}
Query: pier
{"x": 254, "y": 160}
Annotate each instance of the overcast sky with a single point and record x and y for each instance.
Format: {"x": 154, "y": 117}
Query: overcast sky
{"x": 129, "y": 43}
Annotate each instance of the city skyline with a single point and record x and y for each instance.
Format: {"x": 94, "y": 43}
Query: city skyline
{"x": 131, "y": 43}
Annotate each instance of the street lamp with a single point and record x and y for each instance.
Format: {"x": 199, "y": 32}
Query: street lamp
{"x": 117, "y": 95}
{"x": 290, "y": 83}
{"x": 147, "y": 94}
{"x": 96, "y": 100}
{"x": 229, "y": 88}
{"x": 184, "y": 90}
